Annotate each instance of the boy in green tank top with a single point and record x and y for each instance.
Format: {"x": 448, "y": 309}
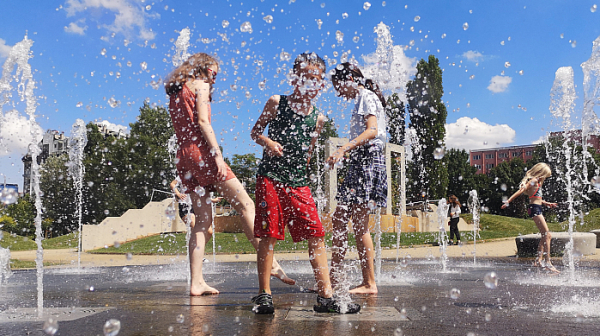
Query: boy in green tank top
{"x": 282, "y": 193}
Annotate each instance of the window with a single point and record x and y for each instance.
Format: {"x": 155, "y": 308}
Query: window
{"x": 489, "y": 156}
{"x": 477, "y": 157}
{"x": 528, "y": 153}
{"x": 515, "y": 154}
{"x": 489, "y": 166}
{"x": 477, "y": 166}
{"x": 502, "y": 155}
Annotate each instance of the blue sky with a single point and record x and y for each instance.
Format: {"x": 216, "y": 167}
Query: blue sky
{"x": 71, "y": 69}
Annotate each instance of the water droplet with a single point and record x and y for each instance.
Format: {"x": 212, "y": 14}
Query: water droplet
{"x": 372, "y": 205}
{"x": 562, "y": 36}
{"x": 117, "y": 244}
{"x": 129, "y": 256}
{"x": 488, "y": 317}
{"x": 170, "y": 212}
{"x": 246, "y": 27}
{"x": 503, "y": 187}
{"x": 454, "y": 293}
{"x": 180, "y": 318}
{"x": 596, "y": 182}
{"x": 491, "y": 280}
{"x": 144, "y": 66}
{"x": 148, "y": 7}
{"x": 262, "y": 84}
{"x": 398, "y": 332}
{"x": 103, "y": 52}
{"x": 507, "y": 64}
{"x": 344, "y": 15}
{"x": 396, "y": 299}
{"x": 319, "y": 22}
{"x": 284, "y": 56}
{"x": 472, "y": 76}
{"x": 91, "y": 289}
{"x": 367, "y": 5}
{"x": 112, "y": 327}
{"x": 404, "y": 262}
{"x": 573, "y": 44}
{"x": 417, "y": 18}
{"x": 521, "y": 72}
{"x": 112, "y": 102}
{"x": 439, "y": 153}
{"x": 200, "y": 191}
{"x": 444, "y": 35}
{"x": 593, "y": 8}
{"x": 339, "y": 165}
{"x": 355, "y": 39}
{"x": 79, "y": 104}
{"x": 465, "y": 26}
{"x": 339, "y": 36}
{"x": 268, "y": 19}
{"x": 50, "y": 326}
{"x": 225, "y": 23}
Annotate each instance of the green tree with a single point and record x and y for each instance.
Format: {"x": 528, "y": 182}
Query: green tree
{"x": 461, "y": 175}
{"x": 428, "y": 118}
{"x": 396, "y": 116}
{"x": 58, "y": 195}
{"x": 22, "y": 216}
{"x": 244, "y": 166}
{"x": 504, "y": 181}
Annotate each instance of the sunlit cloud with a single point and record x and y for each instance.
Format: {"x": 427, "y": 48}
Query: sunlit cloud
{"x": 473, "y": 56}
{"x": 4, "y": 49}
{"x": 130, "y": 18}
{"x": 499, "y": 83}
{"x": 13, "y": 127}
{"x": 471, "y": 133}
{"x": 75, "y": 28}
{"x": 112, "y": 127}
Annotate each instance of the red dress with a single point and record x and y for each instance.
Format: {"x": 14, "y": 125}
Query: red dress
{"x": 195, "y": 164}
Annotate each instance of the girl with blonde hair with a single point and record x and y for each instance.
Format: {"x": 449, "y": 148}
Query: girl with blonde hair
{"x": 531, "y": 185}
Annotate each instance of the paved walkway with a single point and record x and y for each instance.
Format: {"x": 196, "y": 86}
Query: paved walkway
{"x": 497, "y": 248}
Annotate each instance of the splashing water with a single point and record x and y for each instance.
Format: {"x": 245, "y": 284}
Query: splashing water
{"x": 475, "y": 208}
{"x": 442, "y": 213}
{"x": 181, "y": 46}
{"x": 590, "y": 123}
{"x": 18, "y": 58}
{"x": 77, "y": 144}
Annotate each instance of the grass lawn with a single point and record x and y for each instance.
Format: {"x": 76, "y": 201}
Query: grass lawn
{"x": 20, "y": 243}
{"x": 20, "y": 264}
{"x": 492, "y": 227}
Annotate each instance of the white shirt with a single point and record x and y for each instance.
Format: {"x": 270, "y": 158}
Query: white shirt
{"x": 455, "y": 210}
{"x": 367, "y": 103}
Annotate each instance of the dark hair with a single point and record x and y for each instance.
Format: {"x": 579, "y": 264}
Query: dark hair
{"x": 194, "y": 67}
{"x": 346, "y": 71}
{"x": 305, "y": 59}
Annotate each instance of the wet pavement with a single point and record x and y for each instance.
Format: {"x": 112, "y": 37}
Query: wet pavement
{"x": 415, "y": 297}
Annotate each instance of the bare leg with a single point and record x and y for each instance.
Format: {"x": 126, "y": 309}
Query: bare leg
{"x": 318, "y": 260}
{"x": 544, "y": 246}
{"x": 264, "y": 264}
{"x": 340, "y": 241}
{"x": 366, "y": 252}
{"x": 236, "y": 195}
{"x": 198, "y": 238}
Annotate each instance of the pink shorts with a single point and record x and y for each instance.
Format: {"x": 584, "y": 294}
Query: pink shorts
{"x": 278, "y": 205}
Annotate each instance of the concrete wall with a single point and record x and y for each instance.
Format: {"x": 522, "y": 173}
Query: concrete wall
{"x": 133, "y": 224}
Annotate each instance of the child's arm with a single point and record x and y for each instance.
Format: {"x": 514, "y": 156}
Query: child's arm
{"x": 369, "y": 133}
{"x": 515, "y": 195}
{"x": 202, "y": 90}
{"x": 173, "y": 185}
{"x": 269, "y": 113}
{"x": 549, "y": 204}
{"x": 313, "y": 141}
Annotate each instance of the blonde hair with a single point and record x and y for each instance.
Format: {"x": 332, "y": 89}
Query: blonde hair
{"x": 541, "y": 171}
{"x": 196, "y": 66}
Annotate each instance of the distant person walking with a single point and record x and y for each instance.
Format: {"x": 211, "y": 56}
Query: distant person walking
{"x": 454, "y": 212}
{"x": 200, "y": 162}
{"x": 531, "y": 185}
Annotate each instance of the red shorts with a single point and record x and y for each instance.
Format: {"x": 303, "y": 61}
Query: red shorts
{"x": 278, "y": 205}
{"x": 197, "y": 167}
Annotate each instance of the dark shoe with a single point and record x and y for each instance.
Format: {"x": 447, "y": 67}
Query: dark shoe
{"x": 263, "y": 304}
{"x": 330, "y": 305}
{"x": 458, "y": 242}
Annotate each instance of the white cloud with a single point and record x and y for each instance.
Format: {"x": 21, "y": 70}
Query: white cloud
{"x": 129, "y": 15}
{"x": 4, "y": 49}
{"x": 14, "y": 133}
{"x": 541, "y": 140}
{"x": 467, "y": 133}
{"x": 499, "y": 83}
{"x": 75, "y": 28}
{"x": 473, "y": 56}
{"x": 401, "y": 68}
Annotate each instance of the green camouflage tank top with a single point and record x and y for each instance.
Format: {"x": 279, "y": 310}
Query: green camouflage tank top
{"x": 294, "y": 132}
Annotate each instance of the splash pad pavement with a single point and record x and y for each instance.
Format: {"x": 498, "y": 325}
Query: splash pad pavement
{"x": 416, "y": 297}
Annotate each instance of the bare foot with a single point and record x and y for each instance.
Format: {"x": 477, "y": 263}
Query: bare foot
{"x": 203, "y": 290}
{"x": 552, "y": 269}
{"x": 537, "y": 263}
{"x": 364, "y": 289}
{"x": 280, "y": 274}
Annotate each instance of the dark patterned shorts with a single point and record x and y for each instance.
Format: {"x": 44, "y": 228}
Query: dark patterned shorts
{"x": 534, "y": 210}
{"x": 366, "y": 179}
